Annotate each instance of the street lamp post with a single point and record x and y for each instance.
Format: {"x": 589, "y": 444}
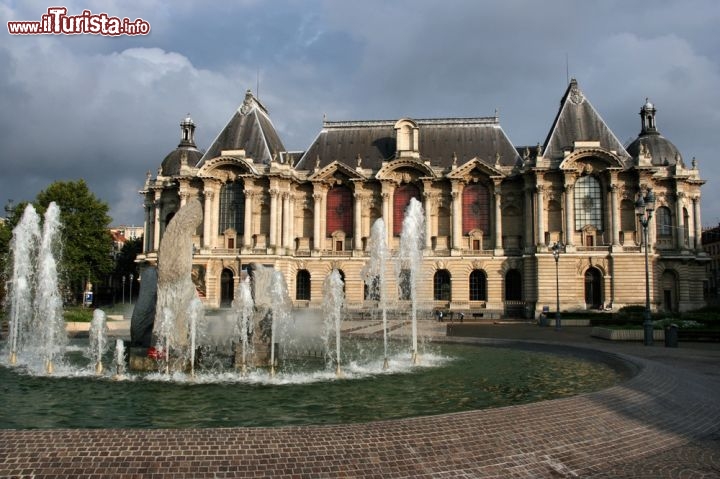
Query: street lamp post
{"x": 644, "y": 208}
{"x": 556, "y": 254}
{"x": 123, "y": 289}
{"x": 131, "y": 287}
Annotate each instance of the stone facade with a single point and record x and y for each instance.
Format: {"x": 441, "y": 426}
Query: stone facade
{"x": 492, "y": 209}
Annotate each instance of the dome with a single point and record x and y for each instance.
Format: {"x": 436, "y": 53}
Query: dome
{"x": 661, "y": 150}
{"x": 171, "y": 164}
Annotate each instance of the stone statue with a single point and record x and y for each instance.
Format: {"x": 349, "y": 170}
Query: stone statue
{"x": 175, "y": 289}
{"x": 143, "y": 316}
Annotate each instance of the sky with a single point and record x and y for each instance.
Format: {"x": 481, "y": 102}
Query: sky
{"x": 107, "y": 108}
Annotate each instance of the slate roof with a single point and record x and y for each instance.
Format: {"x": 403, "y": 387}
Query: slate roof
{"x": 577, "y": 120}
{"x": 249, "y": 129}
{"x": 439, "y": 141}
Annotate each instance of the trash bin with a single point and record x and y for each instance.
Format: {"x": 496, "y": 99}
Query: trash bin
{"x": 543, "y": 319}
{"x": 671, "y": 336}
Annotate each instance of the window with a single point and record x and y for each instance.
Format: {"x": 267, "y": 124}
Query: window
{"x": 478, "y": 285}
{"x": 302, "y": 285}
{"x": 339, "y": 215}
{"x": 475, "y": 208}
{"x": 588, "y": 203}
{"x": 232, "y": 207}
{"x": 663, "y": 222}
{"x": 441, "y": 285}
{"x": 401, "y": 200}
{"x": 372, "y": 290}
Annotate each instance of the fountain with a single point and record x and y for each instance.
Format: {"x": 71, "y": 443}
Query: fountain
{"x": 98, "y": 339}
{"x": 333, "y": 299}
{"x": 374, "y": 276}
{"x": 258, "y": 344}
{"x": 37, "y": 327}
{"x": 244, "y": 307}
{"x": 408, "y": 265}
{"x": 23, "y": 245}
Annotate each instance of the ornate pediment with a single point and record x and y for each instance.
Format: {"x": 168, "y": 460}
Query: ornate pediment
{"x": 474, "y": 168}
{"x": 405, "y": 170}
{"x": 589, "y": 160}
{"x": 335, "y": 173}
{"x": 228, "y": 168}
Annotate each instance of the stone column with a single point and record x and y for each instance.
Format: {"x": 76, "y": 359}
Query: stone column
{"x": 497, "y": 196}
{"x": 427, "y": 204}
{"x": 156, "y": 220}
{"x": 317, "y": 199}
{"x": 615, "y": 218}
{"x": 457, "y": 232}
{"x": 528, "y": 216}
{"x": 291, "y": 221}
{"x": 273, "y": 240}
{"x": 247, "y": 233}
{"x": 284, "y": 221}
{"x": 323, "y": 215}
{"x": 357, "y": 221}
{"x": 387, "y": 190}
{"x": 148, "y": 224}
{"x": 540, "y": 202}
{"x": 207, "y": 215}
{"x": 678, "y": 231}
{"x": 569, "y": 210}
{"x": 697, "y": 224}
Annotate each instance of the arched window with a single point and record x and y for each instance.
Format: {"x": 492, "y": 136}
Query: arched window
{"x": 302, "y": 285}
{"x": 663, "y": 222}
{"x": 339, "y": 214}
{"x": 401, "y": 199}
{"x": 513, "y": 285}
{"x": 441, "y": 285}
{"x": 478, "y": 285}
{"x": 475, "y": 208}
{"x": 232, "y": 207}
{"x": 588, "y": 203}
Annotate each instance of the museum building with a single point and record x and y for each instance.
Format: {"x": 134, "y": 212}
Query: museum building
{"x": 495, "y": 212}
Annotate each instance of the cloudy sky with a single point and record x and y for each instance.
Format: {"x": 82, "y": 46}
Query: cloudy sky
{"x": 107, "y": 109}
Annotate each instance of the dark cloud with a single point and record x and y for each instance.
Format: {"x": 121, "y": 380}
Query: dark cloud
{"x": 107, "y": 109}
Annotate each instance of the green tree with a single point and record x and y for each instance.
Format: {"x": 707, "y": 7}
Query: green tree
{"x": 86, "y": 239}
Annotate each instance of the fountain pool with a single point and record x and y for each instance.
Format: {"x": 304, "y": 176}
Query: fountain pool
{"x": 452, "y": 378}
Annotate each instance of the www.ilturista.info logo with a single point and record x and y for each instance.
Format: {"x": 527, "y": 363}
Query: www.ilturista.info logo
{"x": 57, "y": 22}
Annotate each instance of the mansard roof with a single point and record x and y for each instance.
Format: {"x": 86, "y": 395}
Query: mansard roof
{"x": 440, "y": 141}
{"x": 577, "y": 120}
{"x": 249, "y": 129}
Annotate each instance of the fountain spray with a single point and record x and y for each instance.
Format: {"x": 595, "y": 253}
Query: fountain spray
{"x": 119, "y": 359}
{"x": 411, "y": 241}
{"x": 98, "y": 339}
{"x": 244, "y": 306}
{"x": 196, "y": 313}
{"x": 49, "y": 314}
{"x": 23, "y": 245}
{"x": 374, "y": 275}
{"x": 333, "y": 298}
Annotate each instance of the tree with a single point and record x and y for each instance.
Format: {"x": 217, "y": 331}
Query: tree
{"x": 86, "y": 239}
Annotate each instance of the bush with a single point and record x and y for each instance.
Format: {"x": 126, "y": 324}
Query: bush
{"x": 78, "y": 315}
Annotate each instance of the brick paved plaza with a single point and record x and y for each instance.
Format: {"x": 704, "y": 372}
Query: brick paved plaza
{"x": 663, "y": 422}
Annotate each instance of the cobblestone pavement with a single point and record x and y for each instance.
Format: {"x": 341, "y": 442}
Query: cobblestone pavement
{"x": 662, "y": 423}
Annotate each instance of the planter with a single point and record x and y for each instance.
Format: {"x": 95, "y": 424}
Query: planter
{"x": 625, "y": 334}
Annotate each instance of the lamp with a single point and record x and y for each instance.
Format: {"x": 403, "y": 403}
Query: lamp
{"x": 644, "y": 207}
